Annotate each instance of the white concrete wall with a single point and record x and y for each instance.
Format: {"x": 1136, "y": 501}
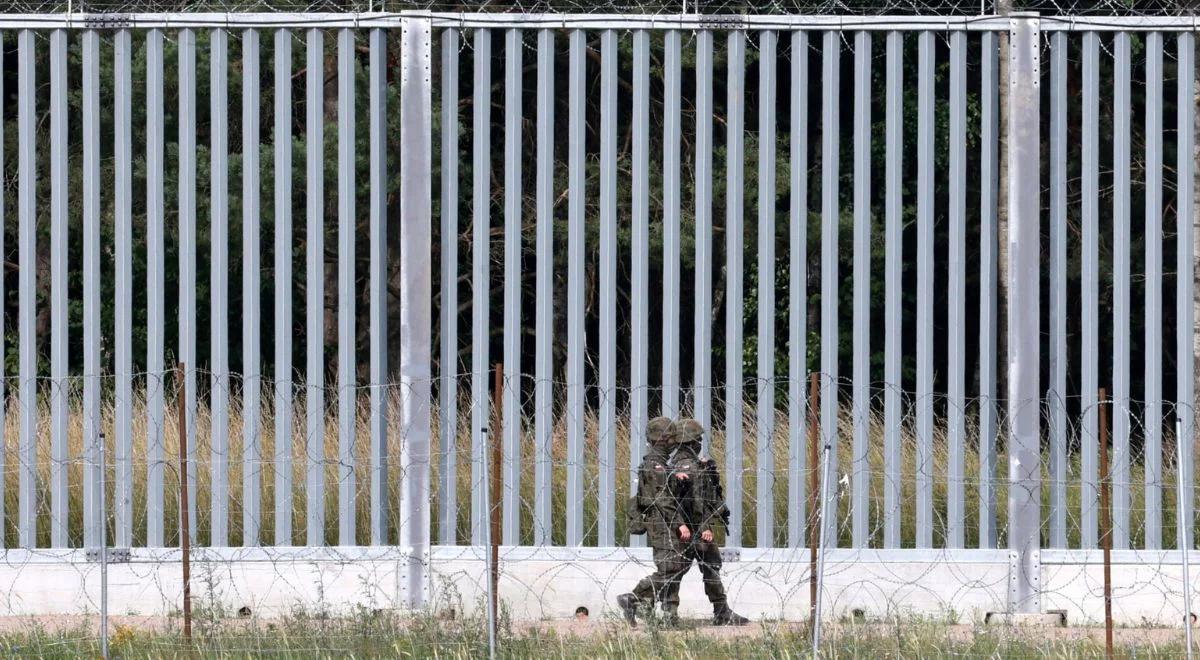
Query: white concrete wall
{"x": 957, "y": 586}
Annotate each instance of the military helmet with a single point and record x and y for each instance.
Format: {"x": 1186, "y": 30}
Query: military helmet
{"x": 659, "y": 430}
{"x": 687, "y": 431}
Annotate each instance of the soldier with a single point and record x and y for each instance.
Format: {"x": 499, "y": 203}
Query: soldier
{"x": 652, "y": 512}
{"x": 700, "y": 504}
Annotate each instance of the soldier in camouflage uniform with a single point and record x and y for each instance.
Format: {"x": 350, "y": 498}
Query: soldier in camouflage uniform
{"x": 652, "y": 512}
{"x": 695, "y": 483}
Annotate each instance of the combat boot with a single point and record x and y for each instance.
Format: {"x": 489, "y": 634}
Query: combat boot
{"x": 727, "y": 617}
{"x": 628, "y": 604}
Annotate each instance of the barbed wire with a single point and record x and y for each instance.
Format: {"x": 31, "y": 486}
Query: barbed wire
{"x": 768, "y": 7}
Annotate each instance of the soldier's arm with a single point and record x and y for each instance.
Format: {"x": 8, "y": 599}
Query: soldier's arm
{"x": 715, "y": 500}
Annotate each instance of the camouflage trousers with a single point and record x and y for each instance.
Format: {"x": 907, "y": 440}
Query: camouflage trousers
{"x": 672, "y": 563}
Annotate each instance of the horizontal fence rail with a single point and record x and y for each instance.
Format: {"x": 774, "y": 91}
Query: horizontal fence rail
{"x": 677, "y": 215}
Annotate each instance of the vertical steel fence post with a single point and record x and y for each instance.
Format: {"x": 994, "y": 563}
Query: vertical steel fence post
{"x": 123, "y": 287}
{"x": 252, "y": 463}
{"x": 379, "y": 381}
{"x": 347, "y": 382}
{"x": 449, "y": 363}
{"x": 27, "y": 285}
{"x": 607, "y": 380}
{"x": 314, "y": 399}
{"x": 284, "y": 396}
{"x": 1089, "y": 281}
{"x": 1057, "y": 418}
{"x": 861, "y": 367}
{"x": 1152, "y": 236}
{"x": 1121, "y": 167}
{"x": 765, "y": 399}
{"x": 155, "y": 286}
{"x": 513, "y": 196}
{"x": 639, "y": 409}
{"x": 219, "y": 284}
{"x": 893, "y": 310}
{"x": 416, "y": 306}
{"x": 702, "y": 352}
{"x": 187, "y": 256}
{"x": 798, "y": 404}
{"x": 925, "y": 262}
{"x": 59, "y": 230}
{"x": 830, "y": 144}
{"x": 93, "y": 506}
{"x": 734, "y": 241}
{"x": 1024, "y": 188}
{"x": 544, "y": 351}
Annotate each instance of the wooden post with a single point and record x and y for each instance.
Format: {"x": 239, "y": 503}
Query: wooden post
{"x": 185, "y": 532}
{"x": 1105, "y": 525}
{"x": 494, "y": 513}
{"x": 814, "y": 485}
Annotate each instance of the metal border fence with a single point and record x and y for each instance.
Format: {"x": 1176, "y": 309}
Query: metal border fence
{"x": 1024, "y": 401}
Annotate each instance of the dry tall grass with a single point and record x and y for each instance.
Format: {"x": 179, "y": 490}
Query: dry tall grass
{"x": 267, "y": 469}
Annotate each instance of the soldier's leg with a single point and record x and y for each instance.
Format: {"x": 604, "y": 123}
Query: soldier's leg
{"x": 709, "y": 559}
{"x": 714, "y": 588}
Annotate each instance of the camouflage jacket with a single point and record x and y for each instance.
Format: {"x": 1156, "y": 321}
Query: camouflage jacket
{"x": 695, "y": 485}
{"x": 653, "y": 509}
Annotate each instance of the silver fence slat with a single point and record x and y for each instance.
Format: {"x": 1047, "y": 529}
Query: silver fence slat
{"x": 956, "y": 315}
{"x": 576, "y": 341}
{"x": 1024, "y": 250}
{"x": 988, "y": 167}
{"x": 27, "y": 278}
{"x": 1184, "y": 271}
{"x": 251, "y": 299}
{"x": 671, "y": 209}
{"x": 734, "y": 240}
{"x": 93, "y": 508}
{"x": 123, "y": 286}
{"x": 512, "y": 287}
{"x": 416, "y": 241}
{"x": 378, "y": 287}
{"x": 187, "y": 251}
{"x": 1121, "y": 238}
{"x": 544, "y": 308}
{"x": 702, "y": 352}
{"x": 798, "y": 293}
{"x": 606, "y": 491}
{"x": 765, "y": 402}
{"x": 892, "y": 267}
{"x": 480, "y": 286}
{"x": 219, "y": 292}
{"x": 925, "y": 200}
{"x": 830, "y": 144}
{"x": 862, "y": 288}
{"x": 347, "y": 364}
{"x": 59, "y": 188}
{"x": 1058, "y": 291}
{"x": 1089, "y": 503}
{"x": 1152, "y": 235}
{"x": 640, "y": 277}
{"x": 315, "y": 288}
{"x": 155, "y": 288}
{"x": 27, "y": 259}
{"x": 284, "y": 395}
{"x": 448, "y": 384}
